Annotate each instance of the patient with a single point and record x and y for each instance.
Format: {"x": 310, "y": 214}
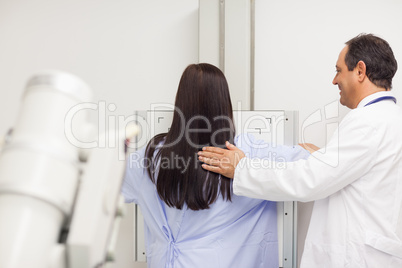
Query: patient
{"x": 192, "y": 217}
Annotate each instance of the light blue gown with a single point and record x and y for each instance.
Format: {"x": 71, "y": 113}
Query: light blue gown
{"x": 241, "y": 233}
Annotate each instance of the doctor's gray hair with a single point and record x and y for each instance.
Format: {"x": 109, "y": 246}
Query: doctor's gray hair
{"x": 377, "y": 54}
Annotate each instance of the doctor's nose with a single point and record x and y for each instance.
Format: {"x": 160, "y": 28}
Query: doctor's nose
{"x": 334, "y": 81}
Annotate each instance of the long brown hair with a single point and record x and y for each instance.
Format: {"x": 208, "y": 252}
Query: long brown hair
{"x": 203, "y": 116}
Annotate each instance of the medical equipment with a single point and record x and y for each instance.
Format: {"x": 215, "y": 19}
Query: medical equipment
{"x": 60, "y": 205}
{"x": 275, "y": 127}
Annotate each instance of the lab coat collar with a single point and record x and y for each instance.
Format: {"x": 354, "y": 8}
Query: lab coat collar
{"x": 373, "y": 97}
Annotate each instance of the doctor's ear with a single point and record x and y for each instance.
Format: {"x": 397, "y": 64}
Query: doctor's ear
{"x": 361, "y": 70}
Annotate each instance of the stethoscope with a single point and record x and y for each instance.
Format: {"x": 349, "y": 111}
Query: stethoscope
{"x": 381, "y": 99}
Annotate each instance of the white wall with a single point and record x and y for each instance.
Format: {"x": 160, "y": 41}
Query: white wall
{"x": 297, "y": 45}
{"x": 131, "y": 52}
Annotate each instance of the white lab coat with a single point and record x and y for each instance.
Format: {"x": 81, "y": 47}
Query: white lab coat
{"x": 357, "y": 184}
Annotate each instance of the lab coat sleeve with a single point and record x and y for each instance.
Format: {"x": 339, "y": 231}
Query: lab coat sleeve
{"x": 349, "y": 155}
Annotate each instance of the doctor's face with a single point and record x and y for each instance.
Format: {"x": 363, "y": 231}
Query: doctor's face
{"x": 346, "y": 82}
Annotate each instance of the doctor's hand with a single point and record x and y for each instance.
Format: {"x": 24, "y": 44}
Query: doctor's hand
{"x": 309, "y": 147}
{"x": 221, "y": 161}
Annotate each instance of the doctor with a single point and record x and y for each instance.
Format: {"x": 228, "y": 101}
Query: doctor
{"x": 356, "y": 181}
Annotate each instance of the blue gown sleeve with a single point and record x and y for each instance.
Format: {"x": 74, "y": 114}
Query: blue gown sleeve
{"x": 135, "y": 174}
{"x": 254, "y": 148}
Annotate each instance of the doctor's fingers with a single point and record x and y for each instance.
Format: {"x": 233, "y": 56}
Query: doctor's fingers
{"x": 210, "y": 161}
{"x": 215, "y": 150}
{"x": 211, "y": 155}
{"x": 212, "y": 168}
{"x": 223, "y": 170}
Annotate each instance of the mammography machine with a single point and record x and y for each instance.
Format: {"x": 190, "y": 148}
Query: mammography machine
{"x": 275, "y": 127}
{"x": 60, "y": 202}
